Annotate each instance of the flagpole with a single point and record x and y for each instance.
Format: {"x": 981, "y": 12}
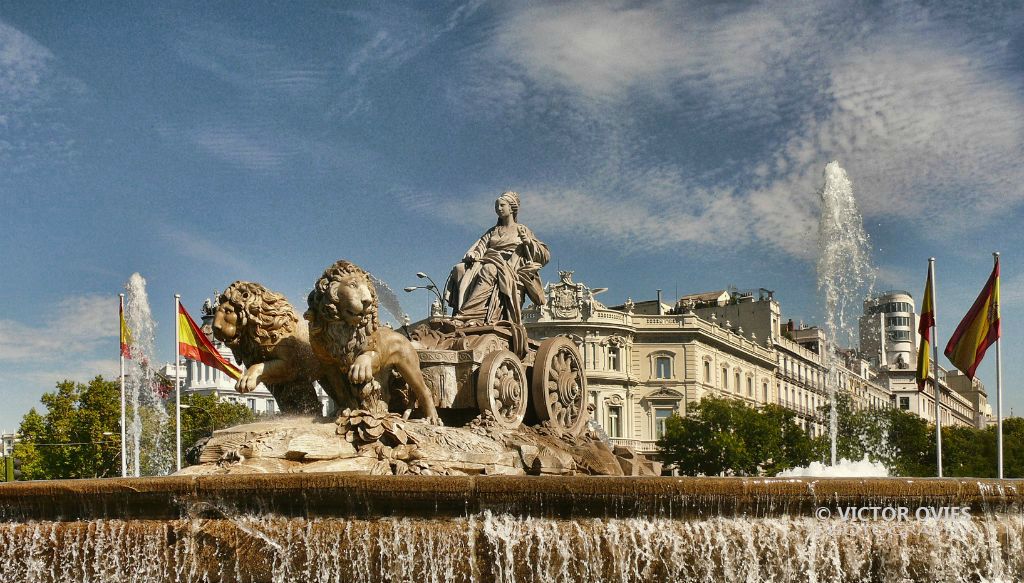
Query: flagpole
{"x": 124, "y": 433}
{"x": 177, "y": 382}
{"x": 935, "y": 366}
{"x": 999, "y": 389}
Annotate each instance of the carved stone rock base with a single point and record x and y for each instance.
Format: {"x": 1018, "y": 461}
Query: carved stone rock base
{"x": 368, "y": 443}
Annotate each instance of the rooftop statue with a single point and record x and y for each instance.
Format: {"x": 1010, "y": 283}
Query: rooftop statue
{"x": 268, "y": 336}
{"x": 360, "y": 354}
{"x": 499, "y": 271}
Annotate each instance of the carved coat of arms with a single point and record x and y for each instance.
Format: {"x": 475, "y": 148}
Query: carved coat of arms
{"x": 564, "y": 297}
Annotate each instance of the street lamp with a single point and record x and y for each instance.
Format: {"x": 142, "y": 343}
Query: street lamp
{"x": 432, "y": 286}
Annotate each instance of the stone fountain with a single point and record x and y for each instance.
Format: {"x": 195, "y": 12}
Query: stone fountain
{"x": 339, "y": 528}
{"x": 461, "y": 451}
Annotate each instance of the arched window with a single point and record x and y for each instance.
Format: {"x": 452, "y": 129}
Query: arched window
{"x": 707, "y": 372}
{"x": 725, "y": 378}
{"x": 750, "y": 387}
{"x": 736, "y": 386}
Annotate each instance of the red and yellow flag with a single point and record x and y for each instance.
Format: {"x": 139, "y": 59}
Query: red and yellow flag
{"x": 194, "y": 345}
{"x": 978, "y": 330}
{"x": 126, "y": 335}
{"x": 925, "y": 329}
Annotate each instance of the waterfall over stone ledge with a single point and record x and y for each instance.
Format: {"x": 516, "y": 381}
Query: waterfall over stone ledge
{"x": 329, "y": 527}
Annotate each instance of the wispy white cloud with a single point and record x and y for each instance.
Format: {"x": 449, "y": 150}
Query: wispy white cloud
{"x": 921, "y": 110}
{"x": 249, "y": 147}
{"x": 32, "y": 92}
{"x": 199, "y": 248}
{"x": 922, "y": 129}
{"x": 254, "y": 64}
{"x": 78, "y": 371}
{"x": 23, "y": 65}
{"x": 78, "y": 326}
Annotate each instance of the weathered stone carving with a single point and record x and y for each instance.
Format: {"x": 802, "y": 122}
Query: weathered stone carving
{"x": 565, "y": 300}
{"x": 266, "y": 334}
{"x": 358, "y": 353}
{"x": 499, "y": 271}
{"x": 368, "y": 443}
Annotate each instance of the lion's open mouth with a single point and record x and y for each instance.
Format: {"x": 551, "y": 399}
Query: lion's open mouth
{"x": 354, "y": 315}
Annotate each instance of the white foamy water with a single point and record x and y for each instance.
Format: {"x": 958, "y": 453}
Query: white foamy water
{"x": 147, "y": 420}
{"x": 844, "y": 468}
{"x": 845, "y": 275}
{"x": 497, "y": 547}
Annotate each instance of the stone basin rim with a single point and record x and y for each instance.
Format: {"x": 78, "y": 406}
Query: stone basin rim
{"x": 337, "y": 495}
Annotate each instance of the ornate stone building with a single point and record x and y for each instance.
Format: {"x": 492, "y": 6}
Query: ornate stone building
{"x": 645, "y": 362}
{"x": 648, "y": 360}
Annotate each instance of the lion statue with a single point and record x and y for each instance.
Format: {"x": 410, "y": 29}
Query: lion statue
{"x": 266, "y": 334}
{"x": 360, "y": 355}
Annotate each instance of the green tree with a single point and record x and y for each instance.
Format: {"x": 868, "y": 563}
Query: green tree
{"x": 78, "y": 437}
{"x": 912, "y": 444}
{"x": 968, "y": 452}
{"x": 727, "y": 437}
{"x": 899, "y": 440}
{"x": 1013, "y": 448}
{"x": 205, "y": 414}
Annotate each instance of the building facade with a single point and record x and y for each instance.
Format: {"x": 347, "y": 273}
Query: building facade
{"x": 646, "y": 361}
{"x": 890, "y": 340}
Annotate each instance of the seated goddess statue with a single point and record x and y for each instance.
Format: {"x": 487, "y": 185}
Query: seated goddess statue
{"x": 499, "y": 271}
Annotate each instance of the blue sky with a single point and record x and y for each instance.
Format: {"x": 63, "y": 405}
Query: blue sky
{"x": 666, "y": 145}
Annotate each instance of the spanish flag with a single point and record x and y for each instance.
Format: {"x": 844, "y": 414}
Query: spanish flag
{"x": 126, "y": 336}
{"x": 194, "y": 345}
{"x": 925, "y": 329}
{"x": 978, "y": 330}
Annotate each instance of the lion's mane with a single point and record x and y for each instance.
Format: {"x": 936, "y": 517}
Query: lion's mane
{"x": 328, "y": 331}
{"x": 265, "y": 319}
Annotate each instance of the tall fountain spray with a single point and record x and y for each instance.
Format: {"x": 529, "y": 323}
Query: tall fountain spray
{"x": 147, "y": 446}
{"x": 845, "y": 275}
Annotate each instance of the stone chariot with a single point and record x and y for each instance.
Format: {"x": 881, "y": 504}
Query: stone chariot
{"x": 497, "y": 370}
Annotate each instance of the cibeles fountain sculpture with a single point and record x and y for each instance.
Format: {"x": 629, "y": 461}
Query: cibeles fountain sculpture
{"x": 513, "y": 405}
{"x": 298, "y": 499}
{"x": 267, "y": 335}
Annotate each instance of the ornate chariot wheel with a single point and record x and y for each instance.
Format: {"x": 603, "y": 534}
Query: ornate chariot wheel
{"x": 559, "y": 385}
{"x": 501, "y": 388}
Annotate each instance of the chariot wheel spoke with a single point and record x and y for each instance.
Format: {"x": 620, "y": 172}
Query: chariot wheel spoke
{"x": 501, "y": 388}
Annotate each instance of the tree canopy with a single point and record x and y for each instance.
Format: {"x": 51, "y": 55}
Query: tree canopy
{"x": 79, "y": 433}
{"x": 78, "y": 436}
{"x": 727, "y": 437}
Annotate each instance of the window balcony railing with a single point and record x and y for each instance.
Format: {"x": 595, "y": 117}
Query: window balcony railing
{"x": 638, "y": 445}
